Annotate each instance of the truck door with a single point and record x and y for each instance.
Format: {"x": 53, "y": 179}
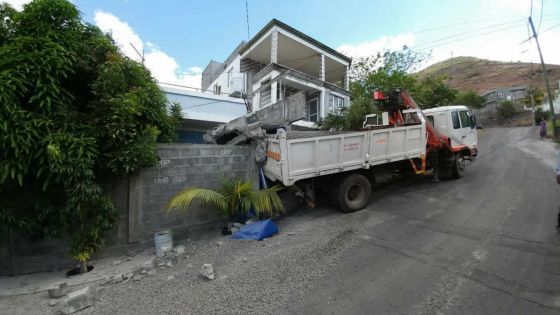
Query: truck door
{"x": 467, "y": 133}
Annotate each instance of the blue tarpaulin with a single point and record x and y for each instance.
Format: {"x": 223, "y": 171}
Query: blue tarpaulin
{"x": 256, "y": 231}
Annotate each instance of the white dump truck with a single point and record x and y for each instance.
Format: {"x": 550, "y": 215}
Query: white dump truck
{"x": 347, "y": 164}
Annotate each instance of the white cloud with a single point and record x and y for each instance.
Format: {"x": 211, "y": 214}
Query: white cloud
{"x": 371, "y": 48}
{"x": 17, "y": 4}
{"x": 163, "y": 67}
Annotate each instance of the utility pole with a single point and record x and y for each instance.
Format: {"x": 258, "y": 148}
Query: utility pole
{"x": 550, "y": 95}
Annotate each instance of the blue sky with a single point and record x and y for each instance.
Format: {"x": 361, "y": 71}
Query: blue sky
{"x": 182, "y": 36}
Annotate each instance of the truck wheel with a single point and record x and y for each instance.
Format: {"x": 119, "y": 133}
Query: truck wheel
{"x": 458, "y": 166}
{"x": 353, "y": 193}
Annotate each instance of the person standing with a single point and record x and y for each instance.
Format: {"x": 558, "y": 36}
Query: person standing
{"x": 542, "y": 131}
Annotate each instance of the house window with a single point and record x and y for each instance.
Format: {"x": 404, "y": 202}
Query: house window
{"x": 217, "y": 89}
{"x": 313, "y": 110}
{"x": 501, "y": 95}
{"x": 337, "y": 104}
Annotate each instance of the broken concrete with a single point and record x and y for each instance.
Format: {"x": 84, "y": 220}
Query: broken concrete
{"x": 58, "y": 290}
{"x": 207, "y": 271}
{"x": 253, "y": 125}
{"x": 77, "y": 300}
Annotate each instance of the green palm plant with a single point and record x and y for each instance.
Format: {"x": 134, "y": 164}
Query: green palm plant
{"x": 232, "y": 197}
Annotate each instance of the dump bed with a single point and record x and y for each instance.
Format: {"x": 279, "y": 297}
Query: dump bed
{"x": 294, "y": 156}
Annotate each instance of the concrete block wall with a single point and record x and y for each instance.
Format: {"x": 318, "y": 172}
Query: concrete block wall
{"x": 141, "y": 201}
{"x": 183, "y": 166}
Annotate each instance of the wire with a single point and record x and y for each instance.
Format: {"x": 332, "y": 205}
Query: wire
{"x": 542, "y": 9}
{"x": 548, "y": 29}
{"x": 468, "y": 37}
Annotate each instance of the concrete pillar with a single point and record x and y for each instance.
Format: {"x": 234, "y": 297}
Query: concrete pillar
{"x": 322, "y": 68}
{"x": 274, "y": 47}
{"x": 273, "y": 92}
{"x": 347, "y": 79}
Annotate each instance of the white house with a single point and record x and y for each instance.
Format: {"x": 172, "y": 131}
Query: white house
{"x": 280, "y": 61}
{"x": 202, "y": 111}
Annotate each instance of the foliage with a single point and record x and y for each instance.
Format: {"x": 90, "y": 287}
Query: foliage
{"x": 538, "y": 96}
{"x": 74, "y": 113}
{"x": 433, "y": 92}
{"x": 232, "y": 197}
{"x": 540, "y": 114}
{"x": 470, "y": 98}
{"x": 505, "y": 110}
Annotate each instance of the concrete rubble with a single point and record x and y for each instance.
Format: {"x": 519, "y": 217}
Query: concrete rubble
{"x": 58, "y": 290}
{"x": 77, "y": 300}
{"x": 253, "y": 125}
{"x": 208, "y": 271}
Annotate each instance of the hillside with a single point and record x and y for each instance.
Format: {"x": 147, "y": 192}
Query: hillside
{"x": 464, "y": 73}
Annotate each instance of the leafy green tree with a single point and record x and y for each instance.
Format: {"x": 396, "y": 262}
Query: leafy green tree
{"x": 75, "y": 112}
{"x": 470, "y": 98}
{"x": 433, "y": 92}
{"x": 505, "y": 110}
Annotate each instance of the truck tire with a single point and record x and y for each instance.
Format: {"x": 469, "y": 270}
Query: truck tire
{"x": 353, "y": 193}
{"x": 458, "y": 167}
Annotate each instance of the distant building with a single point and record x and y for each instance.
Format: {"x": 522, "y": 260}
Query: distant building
{"x": 513, "y": 94}
{"x": 202, "y": 111}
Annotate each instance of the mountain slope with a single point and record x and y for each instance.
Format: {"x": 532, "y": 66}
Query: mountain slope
{"x": 481, "y": 75}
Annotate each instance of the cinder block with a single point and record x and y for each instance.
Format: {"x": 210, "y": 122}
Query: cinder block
{"x": 58, "y": 290}
{"x": 77, "y": 300}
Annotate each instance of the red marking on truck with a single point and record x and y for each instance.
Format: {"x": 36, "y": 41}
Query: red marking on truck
{"x": 352, "y": 146}
{"x": 273, "y": 155}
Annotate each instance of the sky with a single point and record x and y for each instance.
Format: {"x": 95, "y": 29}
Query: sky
{"x": 180, "y": 37}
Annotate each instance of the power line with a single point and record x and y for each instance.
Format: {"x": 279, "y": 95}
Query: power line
{"x": 540, "y": 20}
{"x": 462, "y": 23}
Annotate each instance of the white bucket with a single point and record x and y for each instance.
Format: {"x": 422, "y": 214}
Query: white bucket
{"x": 164, "y": 242}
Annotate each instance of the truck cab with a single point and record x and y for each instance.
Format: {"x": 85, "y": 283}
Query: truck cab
{"x": 458, "y": 123}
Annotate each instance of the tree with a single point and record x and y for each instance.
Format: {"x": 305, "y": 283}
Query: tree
{"x": 232, "y": 197}
{"x": 470, "y": 98}
{"x": 505, "y": 110}
{"x": 75, "y": 112}
{"x": 385, "y": 72}
{"x": 433, "y": 92}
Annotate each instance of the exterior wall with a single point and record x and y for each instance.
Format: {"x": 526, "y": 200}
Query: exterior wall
{"x": 206, "y": 105}
{"x": 210, "y": 73}
{"x": 237, "y": 80}
{"x": 140, "y": 200}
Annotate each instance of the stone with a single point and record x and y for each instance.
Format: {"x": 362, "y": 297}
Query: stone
{"x": 128, "y": 275}
{"x": 244, "y": 259}
{"x": 53, "y": 302}
{"x": 77, "y": 300}
{"x": 161, "y": 264}
{"x": 131, "y": 254}
{"x": 179, "y": 250}
{"x": 143, "y": 271}
{"x": 150, "y": 263}
{"x": 172, "y": 277}
{"x": 117, "y": 278}
{"x": 237, "y": 225}
{"x": 137, "y": 277}
{"x": 58, "y": 290}
{"x": 291, "y": 233}
{"x": 117, "y": 262}
{"x": 219, "y": 243}
{"x": 224, "y": 277}
{"x": 169, "y": 264}
{"x": 208, "y": 271}
{"x": 151, "y": 272}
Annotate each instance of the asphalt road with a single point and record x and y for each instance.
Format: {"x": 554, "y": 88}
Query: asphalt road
{"x": 484, "y": 244}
